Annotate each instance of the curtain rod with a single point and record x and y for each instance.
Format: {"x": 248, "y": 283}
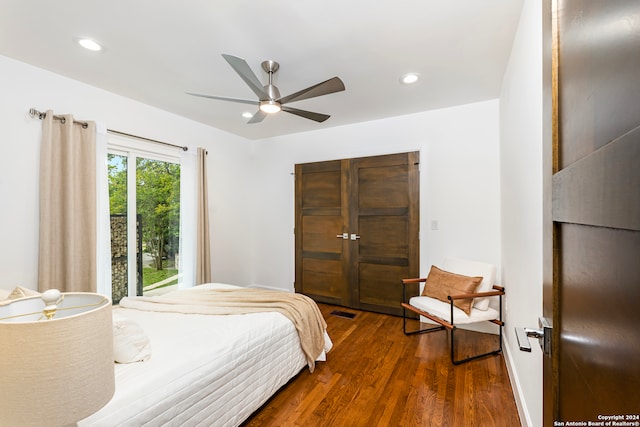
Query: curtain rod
{"x": 117, "y": 132}
{"x": 40, "y": 115}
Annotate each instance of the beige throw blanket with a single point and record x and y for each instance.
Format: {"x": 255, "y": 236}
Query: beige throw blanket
{"x": 300, "y": 309}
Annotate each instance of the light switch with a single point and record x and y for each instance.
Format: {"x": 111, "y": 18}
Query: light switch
{"x": 434, "y": 224}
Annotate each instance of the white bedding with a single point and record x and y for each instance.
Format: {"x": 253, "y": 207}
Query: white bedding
{"x": 203, "y": 370}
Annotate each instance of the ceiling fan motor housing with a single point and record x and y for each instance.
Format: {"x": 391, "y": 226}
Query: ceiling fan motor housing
{"x": 272, "y": 91}
{"x": 271, "y": 67}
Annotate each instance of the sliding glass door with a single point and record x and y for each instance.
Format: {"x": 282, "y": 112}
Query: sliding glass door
{"x": 144, "y": 200}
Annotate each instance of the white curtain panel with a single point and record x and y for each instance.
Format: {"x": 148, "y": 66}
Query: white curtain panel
{"x": 103, "y": 253}
{"x": 188, "y": 219}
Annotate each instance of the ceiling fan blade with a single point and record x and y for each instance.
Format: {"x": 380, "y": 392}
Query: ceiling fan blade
{"x": 224, "y": 98}
{"x": 244, "y": 71}
{"x": 318, "y": 117}
{"x": 328, "y": 86}
{"x": 257, "y": 117}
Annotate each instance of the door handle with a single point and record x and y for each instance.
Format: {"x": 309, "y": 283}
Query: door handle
{"x": 543, "y": 333}
{"x": 346, "y": 236}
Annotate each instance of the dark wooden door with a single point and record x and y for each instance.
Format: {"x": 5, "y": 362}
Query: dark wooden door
{"x": 321, "y": 210}
{"x": 357, "y": 226}
{"x": 384, "y": 213}
{"x": 594, "y": 367}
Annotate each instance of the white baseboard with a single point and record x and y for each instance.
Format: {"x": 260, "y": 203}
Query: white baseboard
{"x": 523, "y": 411}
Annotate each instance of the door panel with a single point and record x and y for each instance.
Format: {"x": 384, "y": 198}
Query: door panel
{"x": 377, "y": 292}
{"x": 319, "y": 234}
{"x": 384, "y": 210}
{"x": 323, "y": 278}
{"x": 375, "y": 201}
{"x": 385, "y": 236}
{"x": 378, "y": 186}
{"x": 599, "y": 73}
{"x": 322, "y": 272}
{"x": 320, "y": 217}
{"x": 595, "y": 212}
{"x": 322, "y": 189}
{"x": 592, "y": 190}
{"x": 600, "y": 318}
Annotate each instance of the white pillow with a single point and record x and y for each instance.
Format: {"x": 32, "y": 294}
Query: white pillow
{"x": 20, "y": 292}
{"x": 130, "y": 343}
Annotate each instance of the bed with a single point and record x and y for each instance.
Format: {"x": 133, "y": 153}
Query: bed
{"x": 213, "y": 370}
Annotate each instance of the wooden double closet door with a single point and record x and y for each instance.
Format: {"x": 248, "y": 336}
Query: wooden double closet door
{"x": 356, "y": 230}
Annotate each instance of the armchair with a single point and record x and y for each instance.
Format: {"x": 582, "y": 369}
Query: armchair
{"x": 459, "y": 294}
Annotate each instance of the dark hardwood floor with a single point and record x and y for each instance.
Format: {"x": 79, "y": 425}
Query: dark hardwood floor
{"x": 377, "y": 376}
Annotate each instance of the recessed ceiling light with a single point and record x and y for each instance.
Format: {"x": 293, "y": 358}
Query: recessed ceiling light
{"x": 90, "y": 44}
{"x": 247, "y": 115}
{"x": 409, "y": 78}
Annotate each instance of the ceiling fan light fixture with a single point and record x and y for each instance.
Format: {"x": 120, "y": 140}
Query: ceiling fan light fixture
{"x": 270, "y": 106}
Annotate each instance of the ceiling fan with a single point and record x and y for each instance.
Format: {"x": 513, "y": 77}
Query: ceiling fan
{"x": 269, "y": 99}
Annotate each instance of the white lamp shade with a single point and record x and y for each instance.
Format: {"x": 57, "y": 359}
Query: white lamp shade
{"x": 59, "y": 371}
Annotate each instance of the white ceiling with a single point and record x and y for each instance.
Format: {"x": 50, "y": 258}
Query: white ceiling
{"x": 156, "y": 50}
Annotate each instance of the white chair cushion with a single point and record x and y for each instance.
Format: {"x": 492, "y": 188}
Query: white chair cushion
{"x": 442, "y": 310}
{"x": 474, "y": 269}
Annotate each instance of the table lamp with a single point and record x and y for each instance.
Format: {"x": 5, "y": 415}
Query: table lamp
{"x": 56, "y": 358}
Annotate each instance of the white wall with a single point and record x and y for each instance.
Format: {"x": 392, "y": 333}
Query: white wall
{"x": 459, "y": 183}
{"x": 522, "y": 196}
{"x": 23, "y": 86}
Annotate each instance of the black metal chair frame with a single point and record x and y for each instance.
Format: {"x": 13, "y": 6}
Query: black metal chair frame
{"x": 443, "y": 324}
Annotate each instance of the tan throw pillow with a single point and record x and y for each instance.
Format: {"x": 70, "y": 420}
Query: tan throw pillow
{"x": 440, "y": 284}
